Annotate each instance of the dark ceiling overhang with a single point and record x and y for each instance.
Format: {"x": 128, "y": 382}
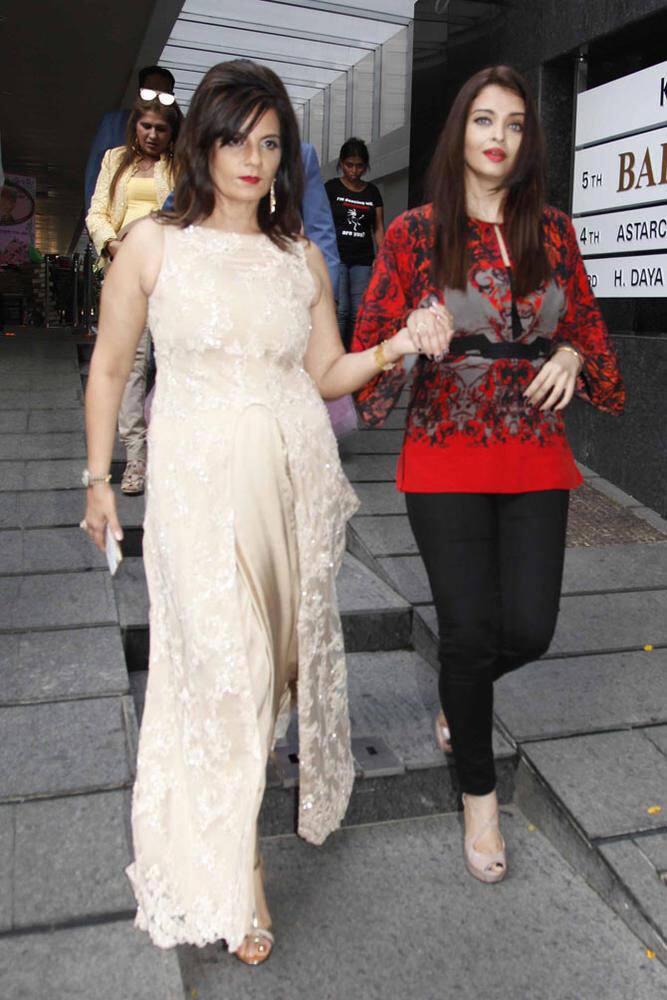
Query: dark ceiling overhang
{"x": 63, "y": 65}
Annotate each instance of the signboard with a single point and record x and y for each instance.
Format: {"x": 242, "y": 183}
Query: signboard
{"x": 642, "y": 276}
{"x": 630, "y": 171}
{"x": 17, "y": 219}
{"x": 619, "y": 185}
{"x": 632, "y": 104}
{"x": 639, "y": 229}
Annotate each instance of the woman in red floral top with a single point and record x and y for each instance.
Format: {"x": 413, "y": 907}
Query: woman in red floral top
{"x": 485, "y": 463}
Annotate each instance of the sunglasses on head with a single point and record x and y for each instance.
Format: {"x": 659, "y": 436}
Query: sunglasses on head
{"x": 146, "y": 94}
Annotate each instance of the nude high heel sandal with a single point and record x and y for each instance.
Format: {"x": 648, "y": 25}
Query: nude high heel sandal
{"x": 489, "y": 868}
{"x": 443, "y": 737}
{"x": 258, "y": 944}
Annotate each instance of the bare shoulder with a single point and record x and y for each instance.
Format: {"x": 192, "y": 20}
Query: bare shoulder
{"x": 142, "y": 250}
{"x": 317, "y": 267}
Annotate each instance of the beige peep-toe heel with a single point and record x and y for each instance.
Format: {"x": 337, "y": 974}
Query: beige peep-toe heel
{"x": 489, "y": 868}
{"x": 258, "y": 944}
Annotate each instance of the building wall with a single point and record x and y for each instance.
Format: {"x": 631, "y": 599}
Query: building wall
{"x": 547, "y": 41}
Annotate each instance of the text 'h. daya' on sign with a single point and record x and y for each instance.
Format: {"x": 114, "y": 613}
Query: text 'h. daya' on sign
{"x": 628, "y": 277}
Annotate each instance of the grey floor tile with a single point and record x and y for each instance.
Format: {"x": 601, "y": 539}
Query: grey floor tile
{"x": 384, "y": 536}
{"x": 9, "y": 510}
{"x": 50, "y": 508}
{"x": 57, "y": 601}
{"x": 610, "y": 621}
{"x": 369, "y": 468}
{"x": 58, "y": 420}
{"x": 590, "y": 776}
{"x": 6, "y": 866}
{"x": 377, "y": 442}
{"x": 70, "y": 858}
{"x": 658, "y": 734}
{"x": 16, "y": 399}
{"x": 388, "y": 913}
{"x": 69, "y": 663}
{"x": 131, "y": 592}
{"x": 11, "y": 475}
{"x": 60, "y": 474}
{"x": 11, "y": 551}
{"x": 654, "y": 847}
{"x": 408, "y": 576}
{"x": 13, "y": 421}
{"x": 634, "y": 868}
{"x": 62, "y": 747}
{"x": 394, "y": 696}
{"x": 53, "y": 549}
{"x": 615, "y": 567}
{"x": 130, "y": 509}
{"x": 108, "y": 962}
{"x": 42, "y": 446}
{"x": 380, "y": 498}
{"x": 360, "y": 590}
{"x": 562, "y": 697}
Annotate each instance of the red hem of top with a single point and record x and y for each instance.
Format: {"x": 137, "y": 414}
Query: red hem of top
{"x": 464, "y": 467}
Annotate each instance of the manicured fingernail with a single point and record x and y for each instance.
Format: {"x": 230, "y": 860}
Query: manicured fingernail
{"x": 118, "y": 535}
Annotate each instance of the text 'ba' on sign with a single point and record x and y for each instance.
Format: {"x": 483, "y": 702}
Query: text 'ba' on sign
{"x": 631, "y": 171}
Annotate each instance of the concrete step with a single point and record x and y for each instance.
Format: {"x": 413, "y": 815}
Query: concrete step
{"x": 389, "y": 912}
{"x": 374, "y": 616}
{"x": 400, "y": 770}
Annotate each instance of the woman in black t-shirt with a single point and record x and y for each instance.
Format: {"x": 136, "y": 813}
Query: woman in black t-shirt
{"x": 358, "y": 216}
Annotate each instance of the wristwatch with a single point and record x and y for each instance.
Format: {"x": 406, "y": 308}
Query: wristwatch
{"x": 89, "y": 480}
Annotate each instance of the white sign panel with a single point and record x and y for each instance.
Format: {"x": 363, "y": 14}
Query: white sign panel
{"x": 639, "y": 229}
{"x": 632, "y": 104}
{"x": 619, "y": 174}
{"x": 628, "y": 277}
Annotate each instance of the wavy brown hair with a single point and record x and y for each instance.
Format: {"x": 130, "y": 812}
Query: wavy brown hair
{"x": 524, "y": 200}
{"x": 170, "y": 113}
{"x": 226, "y": 106}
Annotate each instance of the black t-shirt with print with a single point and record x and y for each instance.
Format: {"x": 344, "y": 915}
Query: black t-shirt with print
{"x": 354, "y": 219}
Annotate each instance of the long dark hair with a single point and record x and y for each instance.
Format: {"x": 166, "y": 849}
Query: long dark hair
{"x": 227, "y": 104}
{"x": 524, "y": 201}
{"x": 170, "y": 113}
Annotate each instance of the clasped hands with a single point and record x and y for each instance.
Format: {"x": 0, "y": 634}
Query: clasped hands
{"x": 429, "y": 331}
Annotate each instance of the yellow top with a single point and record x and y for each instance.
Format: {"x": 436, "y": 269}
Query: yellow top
{"x": 141, "y": 198}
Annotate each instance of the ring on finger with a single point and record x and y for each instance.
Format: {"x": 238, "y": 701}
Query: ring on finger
{"x": 83, "y": 525}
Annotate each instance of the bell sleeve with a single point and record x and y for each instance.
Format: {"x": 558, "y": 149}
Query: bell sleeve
{"x": 383, "y": 311}
{"x": 582, "y": 327}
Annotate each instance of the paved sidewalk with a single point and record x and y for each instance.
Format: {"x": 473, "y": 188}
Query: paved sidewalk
{"x": 385, "y": 908}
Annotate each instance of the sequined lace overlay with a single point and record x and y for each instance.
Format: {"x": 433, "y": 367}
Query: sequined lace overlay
{"x": 230, "y": 320}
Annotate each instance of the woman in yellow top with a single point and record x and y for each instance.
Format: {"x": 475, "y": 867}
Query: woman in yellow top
{"x": 134, "y": 180}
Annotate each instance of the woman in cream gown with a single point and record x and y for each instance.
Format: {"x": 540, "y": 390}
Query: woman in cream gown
{"x": 246, "y": 509}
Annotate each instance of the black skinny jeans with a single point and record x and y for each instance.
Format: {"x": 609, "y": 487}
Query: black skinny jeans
{"x": 495, "y": 564}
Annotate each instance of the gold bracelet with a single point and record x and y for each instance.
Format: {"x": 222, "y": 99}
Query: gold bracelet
{"x": 571, "y": 350}
{"x": 380, "y": 358}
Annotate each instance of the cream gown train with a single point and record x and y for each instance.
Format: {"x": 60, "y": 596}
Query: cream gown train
{"x": 243, "y": 536}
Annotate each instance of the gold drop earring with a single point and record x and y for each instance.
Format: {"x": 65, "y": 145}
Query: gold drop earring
{"x": 272, "y": 198}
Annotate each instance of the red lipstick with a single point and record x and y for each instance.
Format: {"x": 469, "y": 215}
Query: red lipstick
{"x": 496, "y": 155}
{"x": 250, "y": 180}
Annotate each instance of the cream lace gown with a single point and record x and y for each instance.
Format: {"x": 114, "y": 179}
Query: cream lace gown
{"x": 244, "y": 534}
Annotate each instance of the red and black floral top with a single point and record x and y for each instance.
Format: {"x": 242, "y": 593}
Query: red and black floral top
{"x": 469, "y": 427}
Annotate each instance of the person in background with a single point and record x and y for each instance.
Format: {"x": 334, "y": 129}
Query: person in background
{"x": 156, "y": 83}
{"x": 485, "y": 466}
{"x": 134, "y": 181}
{"x": 358, "y": 216}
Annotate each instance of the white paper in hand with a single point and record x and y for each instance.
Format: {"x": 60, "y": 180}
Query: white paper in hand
{"x": 114, "y": 551}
